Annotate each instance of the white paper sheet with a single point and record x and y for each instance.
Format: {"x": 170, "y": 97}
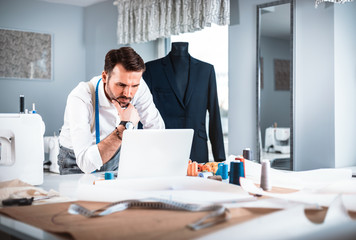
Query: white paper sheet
{"x": 347, "y": 186}
{"x": 311, "y": 180}
{"x": 349, "y": 201}
{"x": 185, "y": 189}
{"x": 311, "y": 200}
{"x": 271, "y": 203}
{"x": 292, "y": 224}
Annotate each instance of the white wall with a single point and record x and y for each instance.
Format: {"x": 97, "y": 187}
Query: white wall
{"x": 325, "y": 114}
{"x": 314, "y": 86}
{"x": 345, "y": 84}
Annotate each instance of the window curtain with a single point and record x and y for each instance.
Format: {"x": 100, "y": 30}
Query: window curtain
{"x": 317, "y": 2}
{"x": 147, "y": 20}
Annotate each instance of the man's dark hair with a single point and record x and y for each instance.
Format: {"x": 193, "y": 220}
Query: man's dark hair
{"x": 125, "y": 56}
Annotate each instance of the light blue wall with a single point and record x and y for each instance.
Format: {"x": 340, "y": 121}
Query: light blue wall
{"x": 275, "y": 104}
{"x": 242, "y": 79}
{"x": 314, "y": 86}
{"x": 81, "y": 38}
{"x": 100, "y": 35}
{"x": 66, "y": 24}
{"x": 324, "y": 83}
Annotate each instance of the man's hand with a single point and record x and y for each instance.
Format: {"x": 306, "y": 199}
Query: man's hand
{"x": 127, "y": 114}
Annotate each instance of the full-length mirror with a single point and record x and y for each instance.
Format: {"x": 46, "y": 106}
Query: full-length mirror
{"x": 275, "y": 83}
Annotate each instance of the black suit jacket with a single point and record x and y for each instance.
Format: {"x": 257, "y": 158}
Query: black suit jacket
{"x": 190, "y": 112}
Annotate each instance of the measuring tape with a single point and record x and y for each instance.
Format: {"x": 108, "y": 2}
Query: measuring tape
{"x": 219, "y": 212}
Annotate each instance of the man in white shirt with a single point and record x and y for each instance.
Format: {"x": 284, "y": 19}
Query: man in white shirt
{"x": 117, "y": 100}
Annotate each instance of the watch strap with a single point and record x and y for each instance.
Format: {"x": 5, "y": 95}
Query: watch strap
{"x": 123, "y": 123}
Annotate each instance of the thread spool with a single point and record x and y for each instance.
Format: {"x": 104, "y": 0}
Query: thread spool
{"x": 205, "y": 174}
{"x": 219, "y": 171}
{"x": 224, "y": 171}
{"x": 109, "y": 176}
{"x": 236, "y": 171}
{"x": 242, "y": 159}
{"x": 265, "y": 179}
{"x": 22, "y": 104}
{"x": 247, "y": 154}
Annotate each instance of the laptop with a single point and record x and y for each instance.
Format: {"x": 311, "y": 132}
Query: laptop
{"x": 155, "y": 153}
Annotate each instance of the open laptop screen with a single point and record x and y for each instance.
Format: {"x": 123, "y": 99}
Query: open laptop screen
{"x": 155, "y": 153}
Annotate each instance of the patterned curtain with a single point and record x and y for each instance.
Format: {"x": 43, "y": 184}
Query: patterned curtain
{"x": 317, "y": 2}
{"x": 147, "y": 20}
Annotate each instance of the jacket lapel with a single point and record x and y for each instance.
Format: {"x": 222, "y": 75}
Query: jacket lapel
{"x": 168, "y": 69}
{"x": 193, "y": 74}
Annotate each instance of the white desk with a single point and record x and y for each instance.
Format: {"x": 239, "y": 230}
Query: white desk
{"x": 65, "y": 184}
{"x": 69, "y": 183}
{"x": 10, "y": 228}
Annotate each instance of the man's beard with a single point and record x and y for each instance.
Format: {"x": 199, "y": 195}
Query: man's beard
{"x": 111, "y": 96}
{"x": 123, "y": 104}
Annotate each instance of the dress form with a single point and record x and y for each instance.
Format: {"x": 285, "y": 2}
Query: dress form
{"x": 179, "y": 57}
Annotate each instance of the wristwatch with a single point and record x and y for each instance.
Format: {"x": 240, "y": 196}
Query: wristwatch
{"x": 127, "y": 124}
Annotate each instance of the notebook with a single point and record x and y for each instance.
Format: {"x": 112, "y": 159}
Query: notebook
{"x": 155, "y": 153}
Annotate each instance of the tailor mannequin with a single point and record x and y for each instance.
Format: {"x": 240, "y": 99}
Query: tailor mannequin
{"x": 179, "y": 57}
{"x": 184, "y": 89}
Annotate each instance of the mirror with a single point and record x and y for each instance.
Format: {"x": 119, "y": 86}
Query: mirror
{"x": 275, "y": 83}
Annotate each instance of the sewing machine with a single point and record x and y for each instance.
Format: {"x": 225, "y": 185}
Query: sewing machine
{"x": 277, "y": 140}
{"x": 21, "y": 147}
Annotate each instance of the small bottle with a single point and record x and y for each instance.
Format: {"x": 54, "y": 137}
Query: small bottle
{"x": 22, "y": 104}
{"x": 33, "y": 108}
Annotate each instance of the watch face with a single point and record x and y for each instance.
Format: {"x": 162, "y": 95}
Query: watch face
{"x": 129, "y": 125}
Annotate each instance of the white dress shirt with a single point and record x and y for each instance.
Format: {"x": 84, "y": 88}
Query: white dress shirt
{"x": 76, "y": 133}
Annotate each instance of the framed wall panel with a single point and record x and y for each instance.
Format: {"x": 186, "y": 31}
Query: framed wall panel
{"x": 281, "y": 74}
{"x": 25, "y": 55}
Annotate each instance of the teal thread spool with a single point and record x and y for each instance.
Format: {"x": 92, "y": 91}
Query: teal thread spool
{"x": 224, "y": 171}
{"x": 109, "y": 176}
{"x": 219, "y": 171}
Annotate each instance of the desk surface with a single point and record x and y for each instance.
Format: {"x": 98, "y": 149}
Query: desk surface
{"x": 67, "y": 185}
